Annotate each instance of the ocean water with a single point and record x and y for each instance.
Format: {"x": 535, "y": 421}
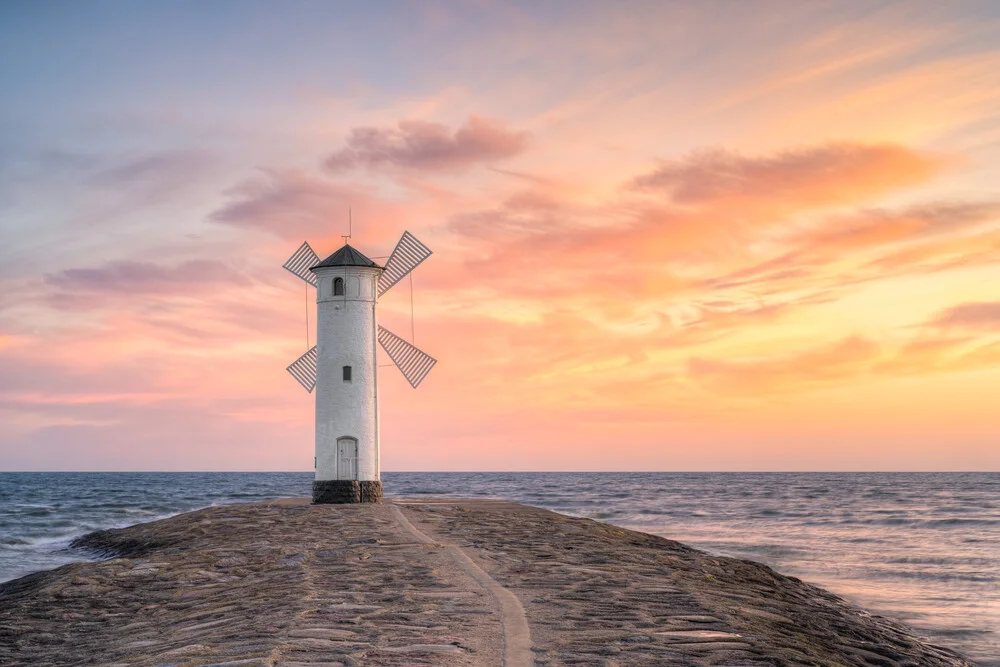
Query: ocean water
{"x": 923, "y": 548}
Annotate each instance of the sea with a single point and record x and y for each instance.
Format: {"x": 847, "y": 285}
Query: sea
{"x": 923, "y": 548}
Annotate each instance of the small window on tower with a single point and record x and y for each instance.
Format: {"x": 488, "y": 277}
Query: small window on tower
{"x": 338, "y": 287}
{"x": 347, "y": 373}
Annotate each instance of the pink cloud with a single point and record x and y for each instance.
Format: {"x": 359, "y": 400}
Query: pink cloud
{"x": 416, "y": 144}
{"x": 295, "y": 205}
{"x": 983, "y": 315}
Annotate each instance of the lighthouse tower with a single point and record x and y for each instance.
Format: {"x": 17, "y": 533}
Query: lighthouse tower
{"x": 342, "y": 366}
{"x": 347, "y": 453}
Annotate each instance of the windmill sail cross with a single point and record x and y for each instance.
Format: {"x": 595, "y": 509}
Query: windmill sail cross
{"x": 412, "y": 362}
{"x": 348, "y": 287}
{"x": 301, "y": 261}
{"x": 408, "y": 253}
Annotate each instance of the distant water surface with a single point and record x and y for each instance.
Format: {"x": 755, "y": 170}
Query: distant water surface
{"x": 923, "y": 548}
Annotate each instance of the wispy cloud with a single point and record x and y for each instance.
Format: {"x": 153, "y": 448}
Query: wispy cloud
{"x": 819, "y": 175}
{"x": 416, "y": 144}
{"x": 295, "y": 205}
{"x": 146, "y": 277}
{"x": 829, "y": 363}
{"x": 981, "y": 315}
{"x": 161, "y": 169}
{"x": 699, "y": 215}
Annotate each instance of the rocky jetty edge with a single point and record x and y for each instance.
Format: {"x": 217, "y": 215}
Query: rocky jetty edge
{"x": 426, "y": 582}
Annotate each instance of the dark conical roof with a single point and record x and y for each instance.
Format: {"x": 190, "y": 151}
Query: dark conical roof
{"x": 346, "y": 256}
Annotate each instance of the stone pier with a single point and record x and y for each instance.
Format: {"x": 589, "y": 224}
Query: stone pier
{"x": 446, "y": 582}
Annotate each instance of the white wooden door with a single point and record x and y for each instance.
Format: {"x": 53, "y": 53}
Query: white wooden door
{"x": 347, "y": 458}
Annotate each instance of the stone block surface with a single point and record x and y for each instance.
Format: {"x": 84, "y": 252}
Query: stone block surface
{"x": 340, "y": 491}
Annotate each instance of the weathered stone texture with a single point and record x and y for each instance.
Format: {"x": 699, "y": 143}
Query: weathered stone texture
{"x": 338, "y": 491}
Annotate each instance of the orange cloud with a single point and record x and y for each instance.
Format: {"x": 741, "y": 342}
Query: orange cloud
{"x": 844, "y": 359}
{"x": 805, "y": 178}
{"x": 840, "y": 363}
{"x": 872, "y": 245}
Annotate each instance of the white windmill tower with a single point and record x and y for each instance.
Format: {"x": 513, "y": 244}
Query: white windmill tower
{"x": 342, "y": 366}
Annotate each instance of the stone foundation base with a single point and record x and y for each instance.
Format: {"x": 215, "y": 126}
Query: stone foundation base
{"x": 333, "y": 491}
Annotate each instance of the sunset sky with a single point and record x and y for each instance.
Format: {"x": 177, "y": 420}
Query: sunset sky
{"x": 667, "y": 236}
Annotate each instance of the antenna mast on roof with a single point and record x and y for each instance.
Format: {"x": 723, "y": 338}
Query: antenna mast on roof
{"x": 350, "y": 226}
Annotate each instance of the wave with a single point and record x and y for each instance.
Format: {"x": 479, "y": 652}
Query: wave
{"x": 937, "y": 575}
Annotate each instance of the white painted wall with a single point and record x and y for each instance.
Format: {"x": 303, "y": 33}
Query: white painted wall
{"x": 346, "y": 332}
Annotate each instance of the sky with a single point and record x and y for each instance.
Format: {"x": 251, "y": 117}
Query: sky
{"x": 667, "y": 235}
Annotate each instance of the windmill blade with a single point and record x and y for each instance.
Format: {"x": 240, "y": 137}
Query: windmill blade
{"x": 413, "y": 362}
{"x": 409, "y": 252}
{"x": 301, "y": 261}
{"x": 304, "y": 369}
